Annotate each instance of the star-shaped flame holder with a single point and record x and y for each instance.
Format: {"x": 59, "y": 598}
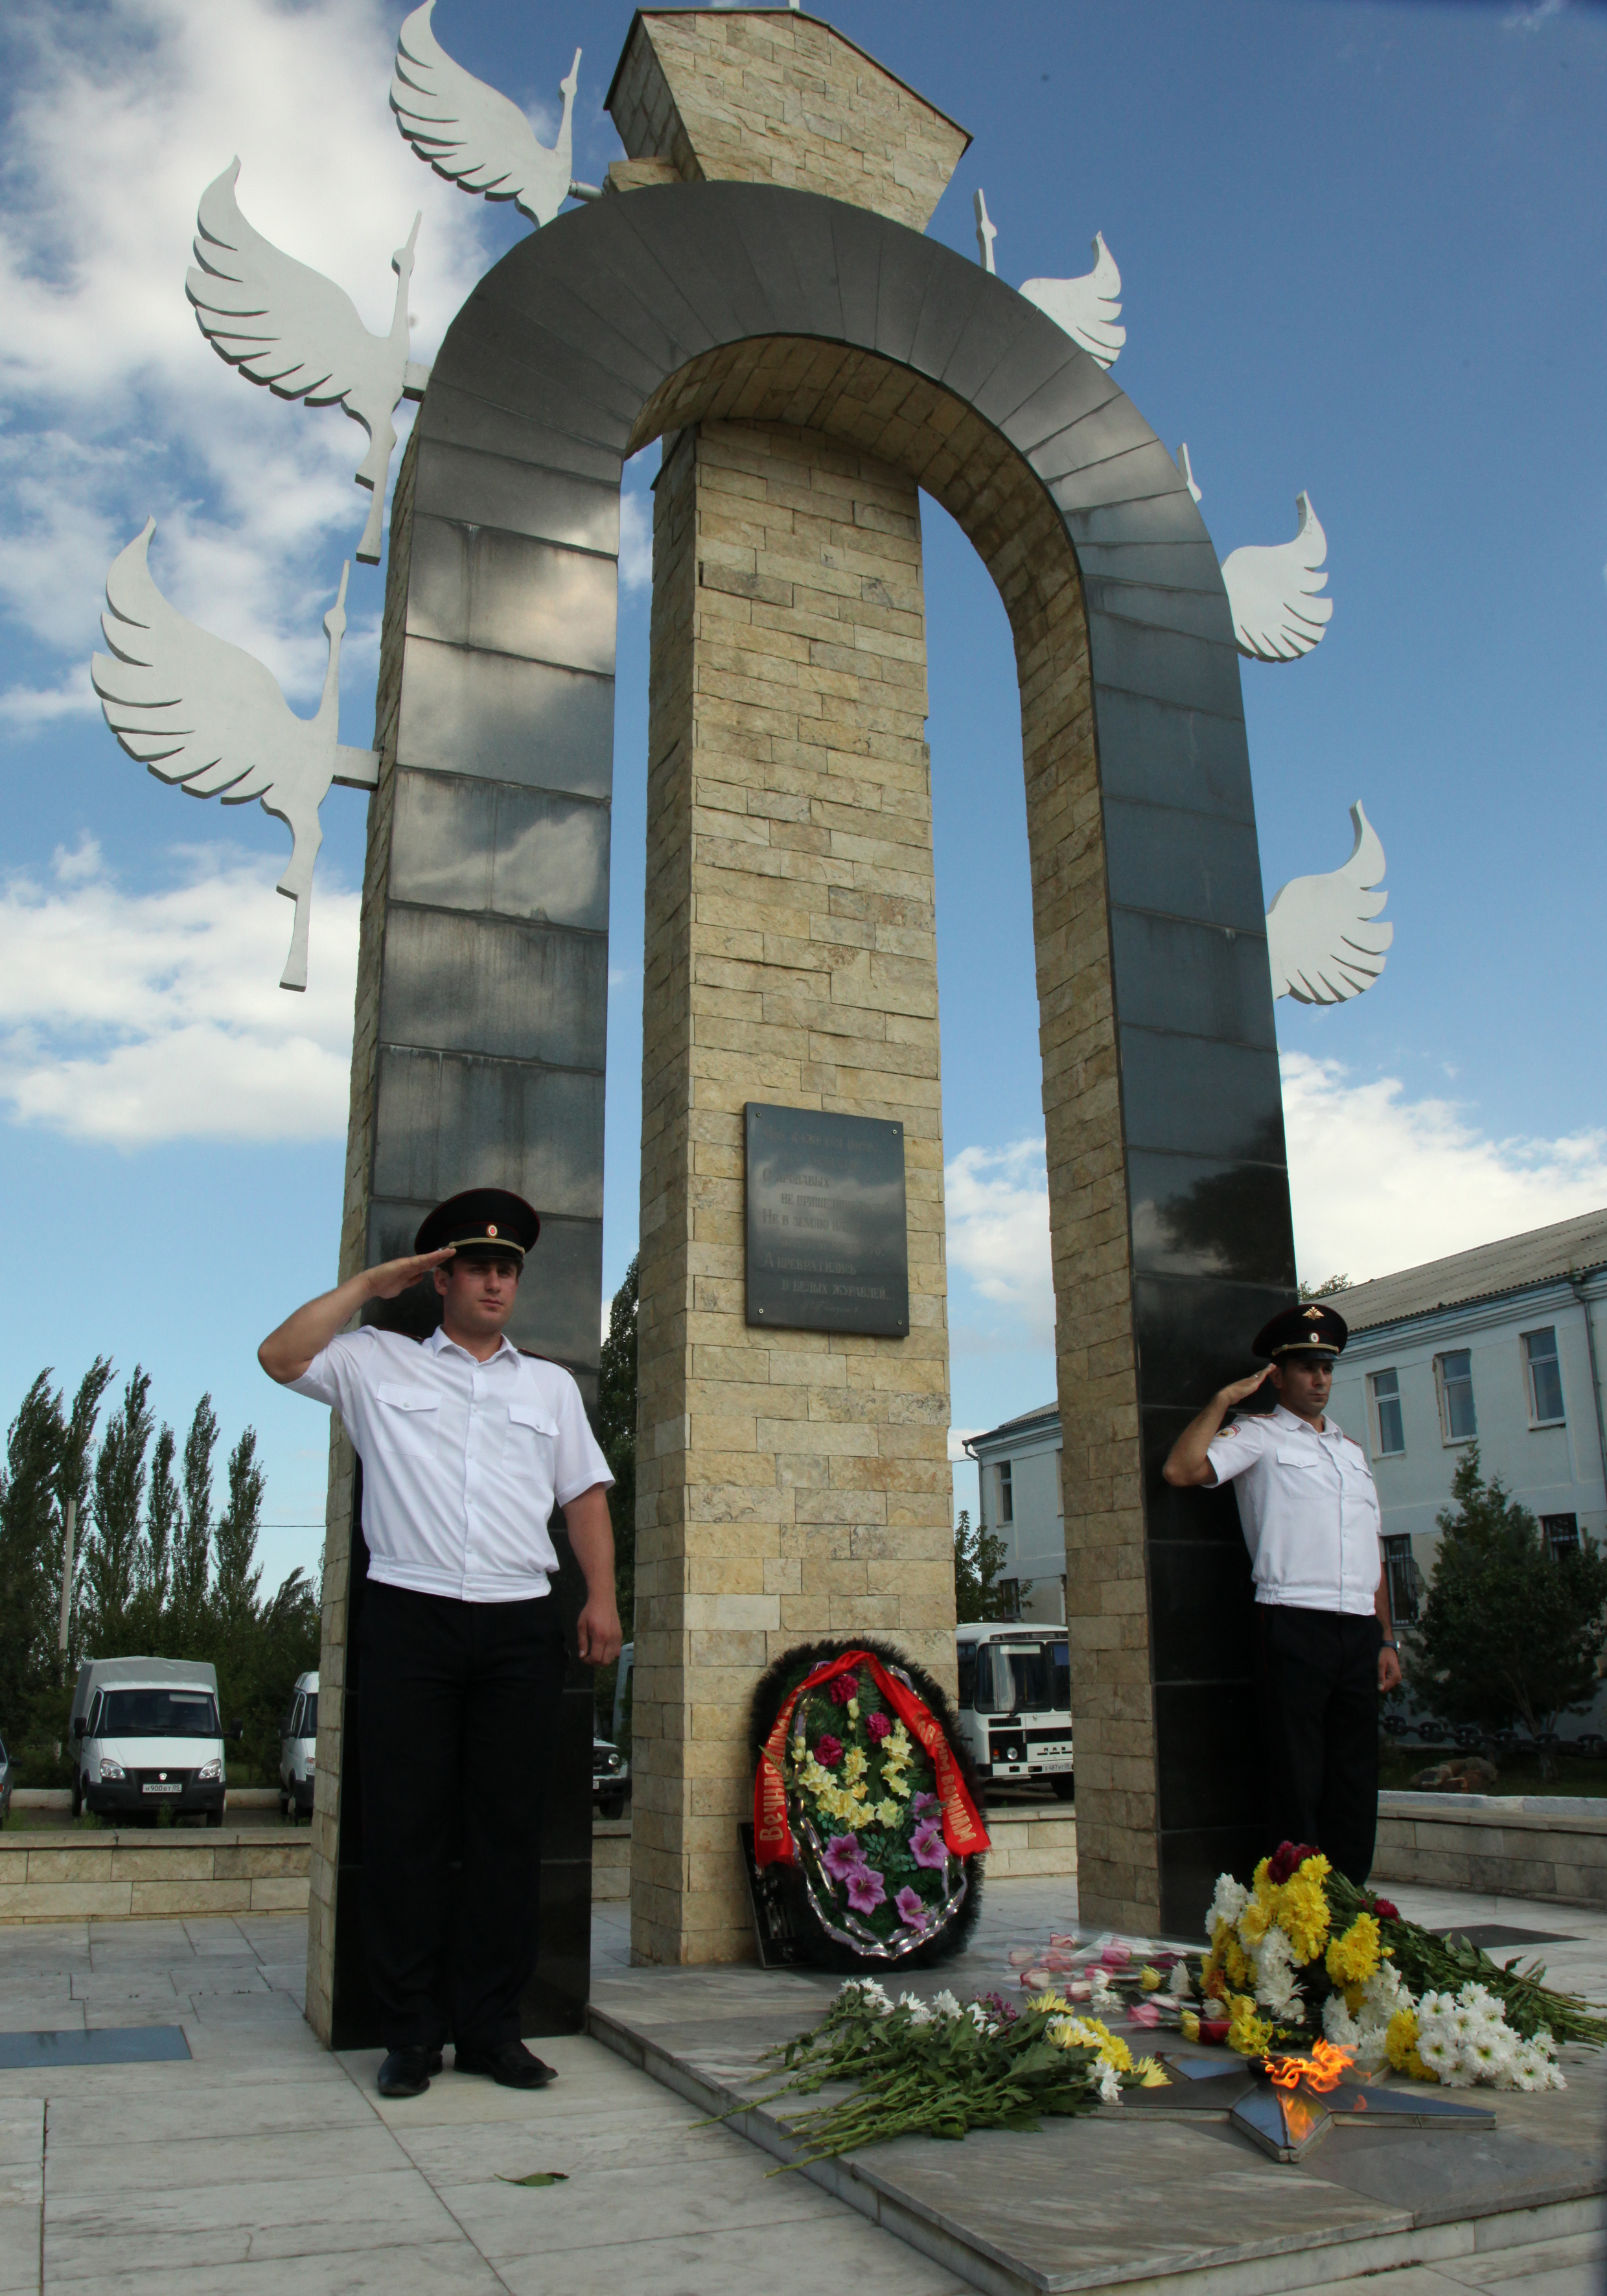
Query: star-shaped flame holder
{"x": 1287, "y": 2123}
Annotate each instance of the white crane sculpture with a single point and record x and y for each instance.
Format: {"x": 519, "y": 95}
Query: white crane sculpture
{"x": 473, "y": 135}
{"x": 1321, "y": 942}
{"x": 1275, "y": 589}
{"x": 1086, "y": 308}
{"x": 285, "y": 324}
{"x": 201, "y": 712}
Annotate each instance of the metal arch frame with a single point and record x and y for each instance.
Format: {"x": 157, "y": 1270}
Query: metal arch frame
{"x": 564, "y": 352}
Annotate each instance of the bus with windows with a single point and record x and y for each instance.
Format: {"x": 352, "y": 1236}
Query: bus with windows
{"x": 1015, "y": 1703}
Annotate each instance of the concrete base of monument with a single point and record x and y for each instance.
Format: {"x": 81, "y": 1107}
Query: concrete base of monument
{"x": 1146, "y": 2199}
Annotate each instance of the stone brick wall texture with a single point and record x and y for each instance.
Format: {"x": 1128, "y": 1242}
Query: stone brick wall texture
{"x": 769, "y": 97}
{"x": 354, "y": 1238}
{"x": 910, "y": 424}
{"x": 791, "y": 1484}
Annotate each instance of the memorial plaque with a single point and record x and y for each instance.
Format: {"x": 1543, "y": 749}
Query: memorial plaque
{"x": 828, "y": 1245}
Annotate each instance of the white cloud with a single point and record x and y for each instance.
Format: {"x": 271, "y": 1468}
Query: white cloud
{"x": 997, "y": 1203}
{"x": 636, "y": 540}
{"x": 114, "y": 404}
{"x": 1381, "y": 1182}
{"x": 131, "y": 1018}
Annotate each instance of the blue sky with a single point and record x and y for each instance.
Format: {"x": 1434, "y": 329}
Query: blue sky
{"x": 1364, "y": 252}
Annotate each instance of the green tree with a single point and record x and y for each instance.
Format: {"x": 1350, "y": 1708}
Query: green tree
{"x": 239, "y": 1576}
{"x": 192, "y": 1557}
{"x": 1509, "y": 1632}
{"x": 46, "y": 1466}
{"x": 150, "y": 1618}
{"x": 1326, "y": 1289}
{"x": 111, "y": 1552}
{"x": 978, "y": 1558}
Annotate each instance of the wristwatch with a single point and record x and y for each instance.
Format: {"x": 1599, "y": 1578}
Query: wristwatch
{"x": 1390, "y": 1645}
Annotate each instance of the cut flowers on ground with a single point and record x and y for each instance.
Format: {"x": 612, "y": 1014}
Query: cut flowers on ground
{"x": 936, "y": 2069}
{"x": 1301, "y": 1952}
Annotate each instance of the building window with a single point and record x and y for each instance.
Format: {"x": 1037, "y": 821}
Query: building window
{"x": 1405, "y": 1580}
{"x": 1545, "y": 1379}
{"x": 1392, "y": 1439}
{"x": 1454, "y": 1374}
{"x": 1561, "y": 1534}
{"x": 1006, "y": 1496}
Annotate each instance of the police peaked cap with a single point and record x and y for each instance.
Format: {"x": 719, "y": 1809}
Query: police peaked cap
{"x": 481, "y": 1224}
{"x": 1310, "y": 1329}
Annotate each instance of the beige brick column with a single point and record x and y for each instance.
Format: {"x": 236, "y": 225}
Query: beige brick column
{"x": 791, "y": 1484}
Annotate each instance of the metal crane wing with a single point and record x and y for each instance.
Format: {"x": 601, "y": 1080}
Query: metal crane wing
{"x": 277, "y": 319}
{"x": 1273, "y": 591}
{"x": 193, "y": 708}
{"x": 1086, "y": 308}
{"x": 1321, "y": 942}
{"x": 472, "y": 133}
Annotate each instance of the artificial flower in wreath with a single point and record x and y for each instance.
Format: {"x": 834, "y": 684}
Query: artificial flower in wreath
{"x": 867, "y": 1802}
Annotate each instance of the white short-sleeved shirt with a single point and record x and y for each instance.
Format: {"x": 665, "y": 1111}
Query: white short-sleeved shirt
{"x": 463, "y": 1462}
{"x": 1309, "y": 1510}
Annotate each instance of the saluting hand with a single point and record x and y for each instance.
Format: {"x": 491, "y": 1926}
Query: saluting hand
{"x": 1240, "y": 1388}
{"x": 393, "y": 1278}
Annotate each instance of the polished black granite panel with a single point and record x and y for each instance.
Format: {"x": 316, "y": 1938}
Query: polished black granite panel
{"x": 1137, "y": 472}
{"x": 446, "y": 1121}
{"x": 489, "y": 985}
{"x": 1193, "y": 1333}
{"x": 1209, "y": 1516}
{"x": 1192, "y": 1857}
{"x": 1199, "y": 1097}
{"x": 468, "y": 417}
{"x": 1197, "y": 613}
{"x": 468, "y": 843}
{"x": 1099, "y": 424}
{"x": 1193, "y": 979}
{"x": 1194, "y": 1216}
{"x": 1165, "y": 753}
{"x": 1209, "y": 1771}
{"x": 491, "y": 714}
{"x": 558, "y": 1311}
{"x": 1167, "y": 665}
{"x": 474, "y": 489}
{"x": 1202, "y": 1611}
{"x": 1190, "y": 864}
{"x": 505, "y": 593}
{"x": 1052, "y": 410}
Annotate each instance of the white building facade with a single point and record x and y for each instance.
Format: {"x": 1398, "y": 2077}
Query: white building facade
{"x": 1501, "y": 1346}
{"x": 1019, "y": 1500}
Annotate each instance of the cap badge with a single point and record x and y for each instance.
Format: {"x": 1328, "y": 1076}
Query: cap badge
{"x": 1312, "y": 1315}
{"x": 490, "y": 1227}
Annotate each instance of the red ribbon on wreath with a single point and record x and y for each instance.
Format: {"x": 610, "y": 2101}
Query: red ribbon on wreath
{"x": 963, "y": 1831}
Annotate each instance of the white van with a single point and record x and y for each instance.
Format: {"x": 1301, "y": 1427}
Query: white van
{"x": 1015, "y": 1703}
{"x": 145, "y": 1736}
{"x": 299, "y": 1750}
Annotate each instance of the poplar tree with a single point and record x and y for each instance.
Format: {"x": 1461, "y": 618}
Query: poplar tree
{"x": 111, "y": 1553}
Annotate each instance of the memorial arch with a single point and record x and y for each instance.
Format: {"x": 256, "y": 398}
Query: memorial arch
{"x": 681, "y": 311}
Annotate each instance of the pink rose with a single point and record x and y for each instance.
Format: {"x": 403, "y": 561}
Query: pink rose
{"x": 828, "y": 1752}
{"x": 844, "y": 1687}
{"x": 879, "y": 1727}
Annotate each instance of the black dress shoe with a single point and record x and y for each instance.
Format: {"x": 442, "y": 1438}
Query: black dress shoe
{"x": 406, "y": 2073}
{"x": 509, "y": 2063}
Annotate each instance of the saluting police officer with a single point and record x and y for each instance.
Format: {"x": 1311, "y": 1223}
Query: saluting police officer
{"x": 466, "y": 1446}
{"x": 1311, "y": 1522}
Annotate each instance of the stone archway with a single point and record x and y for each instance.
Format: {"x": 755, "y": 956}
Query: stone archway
{"x": 695, "y": 303}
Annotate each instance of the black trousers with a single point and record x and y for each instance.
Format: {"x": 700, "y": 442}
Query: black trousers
{"x": 1319, "y": 1701}
{"x": 458, "y": 1706}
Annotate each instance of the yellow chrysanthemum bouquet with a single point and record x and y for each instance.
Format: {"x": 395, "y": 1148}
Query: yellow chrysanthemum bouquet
{"x": 1301, "y": 1952}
